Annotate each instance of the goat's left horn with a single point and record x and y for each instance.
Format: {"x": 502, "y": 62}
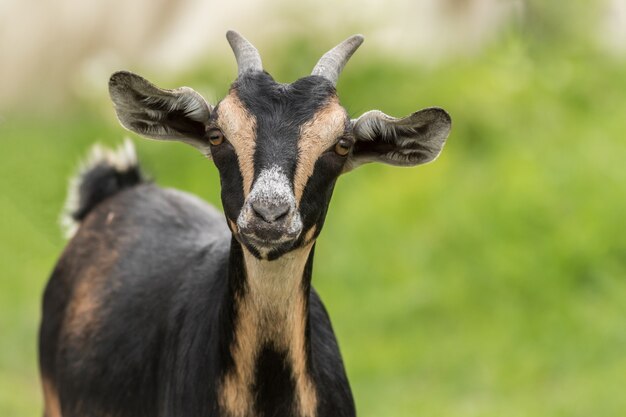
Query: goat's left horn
{"x": 247, "y": 56}
{"x": 331, "y": 64}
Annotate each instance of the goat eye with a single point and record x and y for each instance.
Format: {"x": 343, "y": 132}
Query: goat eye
{"x": 343, "y": 147}
{"x": 216, "y": 137}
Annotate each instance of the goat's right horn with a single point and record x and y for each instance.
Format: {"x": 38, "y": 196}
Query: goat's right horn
{"x": 331, "y": 64}
{"x": 247, "y": 56}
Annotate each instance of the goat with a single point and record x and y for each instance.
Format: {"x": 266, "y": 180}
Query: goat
{"x": 159, "y": 307}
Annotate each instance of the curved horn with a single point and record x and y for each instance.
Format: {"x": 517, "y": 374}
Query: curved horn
{"x": 247, "y": 56}
{"x": 330, "y": 65}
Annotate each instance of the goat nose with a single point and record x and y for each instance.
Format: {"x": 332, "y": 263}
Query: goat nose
{"x": 270, "y": 211}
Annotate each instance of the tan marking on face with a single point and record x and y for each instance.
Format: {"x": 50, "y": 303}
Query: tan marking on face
{"x": 233, "y": 226}
{"x": 261, "y": 319}
{"x": 309, "y": 235}
{"x": 52, "y": 405}
{"x": 316, "y": 136}
{"x": 239, "y": 127}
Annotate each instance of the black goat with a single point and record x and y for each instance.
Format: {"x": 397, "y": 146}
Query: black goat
{"x": 160, "y": 308}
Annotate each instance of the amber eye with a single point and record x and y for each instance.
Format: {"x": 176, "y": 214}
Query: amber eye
{"x": 343, "y": 147}
{"x": 215, "y": 136}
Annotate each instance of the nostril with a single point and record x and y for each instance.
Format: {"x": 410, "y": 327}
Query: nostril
{"x": 282, "y": 215}
{"x": 270, "y": 212}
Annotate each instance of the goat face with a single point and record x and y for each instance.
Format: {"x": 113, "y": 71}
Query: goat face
{"x": 279, "y": 148}
{"x": 279, "y": 152}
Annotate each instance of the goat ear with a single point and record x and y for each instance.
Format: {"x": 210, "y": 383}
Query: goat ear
{"x": 412, "y": 140}
{"x": 181, "y": 114}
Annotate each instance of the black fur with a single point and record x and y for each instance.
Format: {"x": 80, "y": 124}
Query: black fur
{"x": 102, "y": 181}
{"x": 159, "y": 342}
{"x": 274, "y": 386}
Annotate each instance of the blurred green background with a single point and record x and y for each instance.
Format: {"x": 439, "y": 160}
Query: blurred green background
{"x": 489, "y": 283}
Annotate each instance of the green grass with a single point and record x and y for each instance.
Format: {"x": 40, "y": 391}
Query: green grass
{"x": 489, "y": 283}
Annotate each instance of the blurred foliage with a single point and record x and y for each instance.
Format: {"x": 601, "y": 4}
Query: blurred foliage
{"x": 489, "y": 283}
{"x": 566, "y": 24}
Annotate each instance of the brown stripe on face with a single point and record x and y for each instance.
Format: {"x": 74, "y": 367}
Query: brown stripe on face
{"x": 317, "y": 135}
{"x": 239, "y": 127}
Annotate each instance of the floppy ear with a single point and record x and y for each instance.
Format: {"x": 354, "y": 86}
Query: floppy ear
{"x": 412, "y": 140}
{"x": 181, "y": 114}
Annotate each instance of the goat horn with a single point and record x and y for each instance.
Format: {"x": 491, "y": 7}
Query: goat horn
{"x": 247, "y": 56}
{"x": 331, "y": 64}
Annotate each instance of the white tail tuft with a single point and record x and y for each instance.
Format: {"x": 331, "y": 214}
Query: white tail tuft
{"x": 122, "y": 159}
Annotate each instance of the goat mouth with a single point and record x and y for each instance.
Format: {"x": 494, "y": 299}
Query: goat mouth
{"x": 262, "y": 238}
{"x": 264, "y": 235}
